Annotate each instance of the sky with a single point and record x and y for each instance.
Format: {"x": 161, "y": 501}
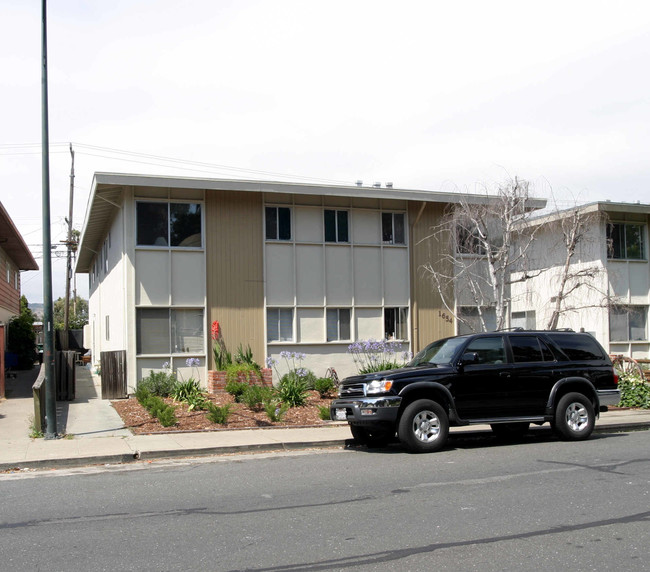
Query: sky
{"x": 429, "y": 95}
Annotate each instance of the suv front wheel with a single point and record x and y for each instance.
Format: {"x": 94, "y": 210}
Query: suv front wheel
{"x": 574, "y": 417}
{"x": 423, "y": 427}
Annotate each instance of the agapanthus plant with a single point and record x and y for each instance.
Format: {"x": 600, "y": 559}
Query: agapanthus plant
{"x": 377, "y": 355}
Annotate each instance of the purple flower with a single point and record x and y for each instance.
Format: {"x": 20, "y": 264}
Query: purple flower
{"x": 166, "y": 365}
{"x": 285, "y": 355}
{"x": 270, "y": 362}
{"x": 301, "y": 372}
{"x": 192, "y": 362}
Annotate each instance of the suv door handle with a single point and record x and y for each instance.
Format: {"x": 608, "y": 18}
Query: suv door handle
{"x": 504, "y": 374}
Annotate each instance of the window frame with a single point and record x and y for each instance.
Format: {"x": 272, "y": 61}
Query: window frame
{"x": 622, "y": 243}
{"x": 393, "y": 240}
{"x": 400, "y": 321}
{"x": 626, "y": 314}
{"x": 337, "y": 226}
{"x": 277, "y": 322}
{"x": 168, "y": 238}
{"x": 171, "y": 331}
{"x": 339, "y": 329}
{"x": 277, "y": 223}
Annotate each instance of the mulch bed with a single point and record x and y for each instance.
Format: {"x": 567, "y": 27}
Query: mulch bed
{"x": 137, "y": 418}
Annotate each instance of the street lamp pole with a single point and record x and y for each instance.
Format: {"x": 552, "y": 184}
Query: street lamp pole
{"x": 48, "y": 322}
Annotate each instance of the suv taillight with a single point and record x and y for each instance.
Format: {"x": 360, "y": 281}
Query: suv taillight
{"x": 615, "y": 378}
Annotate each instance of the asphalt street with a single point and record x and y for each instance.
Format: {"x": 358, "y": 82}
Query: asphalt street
{"x": 543, "y": 504}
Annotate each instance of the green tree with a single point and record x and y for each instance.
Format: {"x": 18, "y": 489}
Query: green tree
{"x": 77, "y": 320}
{"x": 22, "y": 337}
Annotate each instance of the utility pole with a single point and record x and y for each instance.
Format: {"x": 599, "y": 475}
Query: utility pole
{"x": 68, "y": 271}
{"x": 48, "y": 322}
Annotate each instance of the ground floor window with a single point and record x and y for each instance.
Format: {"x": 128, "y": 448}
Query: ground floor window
{"x": 396, "y": 323}
{"x": 628, "y": 324}
{"x": 169, "y": 330}
{"x": 279, "y": 324}
{"x": 338, "y": 324}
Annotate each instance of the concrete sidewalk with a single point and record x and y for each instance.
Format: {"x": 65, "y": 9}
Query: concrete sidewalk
{"x": 97, "y": 435}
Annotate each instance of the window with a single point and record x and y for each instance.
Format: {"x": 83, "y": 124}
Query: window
{"x": 529, "y": 348}
{"x": 396, "y": 323}
{"x": 392, "y": 228}
{"x": 626, "y": 241}
{"x": 336, "y": 226}
{"x": 338, "y": 324}
{"x": 469, "y": 242}
{"x": 167, "y": 330}
{"x": 169, "y": 224}
{"x": 488, "y": 350}
{"x": 525, "y": 320}
{"x": 628, "y": 324}
{"x": 577, "y": 346}
{"x": 469, "y": 320}
{"x": 278, "y": 223}
{"x": 279, "y": 324}
{"x": 107, "y": 329}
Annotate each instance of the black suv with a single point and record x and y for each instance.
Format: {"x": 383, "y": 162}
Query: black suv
{"x": 508, "y": 379}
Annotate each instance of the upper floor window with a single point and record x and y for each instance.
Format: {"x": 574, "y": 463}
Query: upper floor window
{"x": 169, "y": 224}
{"x": 392, "y": 228}
{"x": 469, "y": 242}
{"x": 469, "y": 319}
{"x": 278, "y": 223}
{"x": 628, "y": 324}
{"x": 626, "y": 241}
{"x": 336, "y": 226}
{"x": 338, "y": 324}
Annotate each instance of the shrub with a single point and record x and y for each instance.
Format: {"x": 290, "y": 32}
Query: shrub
{"x": 218, "y": 414}
{"x": 167, "y": 416}
{"x": 248, "y": 370}
{"x": 324, "y": 412}
{"x": 236, "y": 388}
{"x": 154, "y": 405}
{"x": 275, "y": 410}
{"x": 292, "y": 390}
{"x": 324, "y": 386}
{"x": 142, "y": 393}
{"x": 160, "y": 383}
{"x": 254, "y": 396}
{"x": 635, "y": 391}
{"x": 191, "y": 393}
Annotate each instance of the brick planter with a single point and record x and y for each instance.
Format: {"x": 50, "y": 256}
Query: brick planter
{"x": 217, "y": 380}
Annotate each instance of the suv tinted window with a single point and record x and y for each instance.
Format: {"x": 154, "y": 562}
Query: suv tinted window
{"x": 578, "y": 346}
{"x": 526, "y": 348}
{"x": 489, "y": 350}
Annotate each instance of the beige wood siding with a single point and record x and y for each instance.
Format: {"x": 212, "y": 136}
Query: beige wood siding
{"x": 430, "y": 320}
{"x": 235, "y": 269}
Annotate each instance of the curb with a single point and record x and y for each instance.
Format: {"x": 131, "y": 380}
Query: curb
{"x": 127, "y": 458}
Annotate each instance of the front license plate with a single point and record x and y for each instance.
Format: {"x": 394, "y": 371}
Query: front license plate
{"x": 340, "y": 414}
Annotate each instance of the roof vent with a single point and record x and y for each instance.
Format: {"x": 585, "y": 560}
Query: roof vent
{"x": 389, "y": 185}
{"x": 377, "y": 185}
{"x": 359, "y": 182}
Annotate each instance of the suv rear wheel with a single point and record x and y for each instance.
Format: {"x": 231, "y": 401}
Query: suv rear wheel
{"x": 574, "y": 417}
{"x": 423, "y": 427}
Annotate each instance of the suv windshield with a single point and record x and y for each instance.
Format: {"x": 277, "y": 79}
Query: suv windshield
{"x": 437, "y": 353}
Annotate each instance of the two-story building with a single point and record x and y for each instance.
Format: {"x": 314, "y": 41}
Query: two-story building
{"x": 608, "y": 293}
{"x": 281, "y": 267}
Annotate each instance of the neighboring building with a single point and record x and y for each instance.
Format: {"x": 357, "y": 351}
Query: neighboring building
{"x": 14, "y": 257}
{"x": 281, "y": 267}
{"x": 611, "y": 284}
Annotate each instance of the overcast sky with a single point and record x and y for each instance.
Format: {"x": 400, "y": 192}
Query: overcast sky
{"x": 426, "y": 94}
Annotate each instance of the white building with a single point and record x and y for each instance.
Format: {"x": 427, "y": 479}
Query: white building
{"x": 301, "y": 268}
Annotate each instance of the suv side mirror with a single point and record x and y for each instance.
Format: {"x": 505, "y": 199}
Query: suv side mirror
{"x": 469, "y": 358}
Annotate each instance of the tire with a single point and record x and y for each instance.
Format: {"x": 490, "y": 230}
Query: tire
{"x": 510, "y": 431}
{"x": 423, "y": 427}
{"x": 370, "y": 436}
{"x": 574, "y": 417}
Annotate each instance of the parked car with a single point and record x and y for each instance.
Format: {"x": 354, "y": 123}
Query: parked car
{"x": 507, "y": 379}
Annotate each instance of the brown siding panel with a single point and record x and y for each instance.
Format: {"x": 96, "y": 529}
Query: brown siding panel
{"x": 427, "y": 322}
{"x": 235, "y": 269}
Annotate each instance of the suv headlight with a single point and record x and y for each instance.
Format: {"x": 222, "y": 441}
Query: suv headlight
{"x": 378, "y": 386}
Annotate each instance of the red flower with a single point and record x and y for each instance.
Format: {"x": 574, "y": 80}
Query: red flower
{"x": 215, "y": 330}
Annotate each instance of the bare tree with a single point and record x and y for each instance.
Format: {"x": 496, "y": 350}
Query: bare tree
{"x": 574, "y": 227}
{"x": 484, "y": 241}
